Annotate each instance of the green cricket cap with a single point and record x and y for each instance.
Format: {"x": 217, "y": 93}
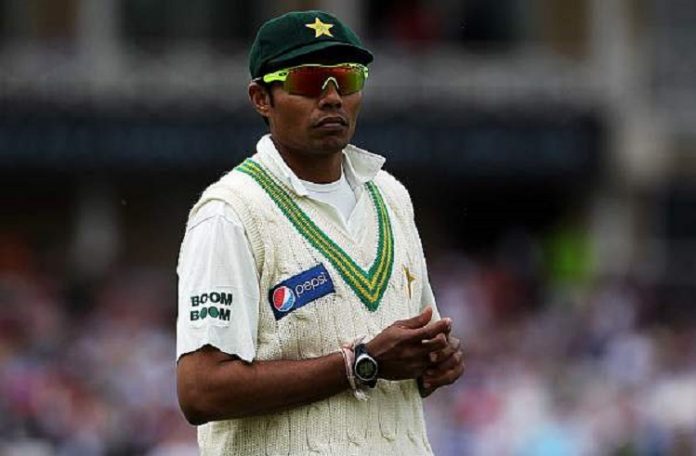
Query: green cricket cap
{"x": 300, "y": 36}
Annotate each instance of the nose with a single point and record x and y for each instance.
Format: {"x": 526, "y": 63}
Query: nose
{"x": 330, "y": 98}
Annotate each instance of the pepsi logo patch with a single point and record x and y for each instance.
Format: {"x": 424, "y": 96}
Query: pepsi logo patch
{"x": 283, "y": 299}
{"x": 299, "y": 290}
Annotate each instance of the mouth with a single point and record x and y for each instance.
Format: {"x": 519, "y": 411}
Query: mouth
{"x": 331, "y": 122}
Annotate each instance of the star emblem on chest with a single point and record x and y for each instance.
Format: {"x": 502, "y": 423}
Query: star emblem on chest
{"x": 409, "y": 280}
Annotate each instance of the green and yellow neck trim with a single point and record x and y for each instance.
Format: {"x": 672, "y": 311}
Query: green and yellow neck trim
{"x": 369, "y": 285}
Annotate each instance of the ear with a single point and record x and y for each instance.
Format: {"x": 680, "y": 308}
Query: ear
{"x": 260, "y": 99}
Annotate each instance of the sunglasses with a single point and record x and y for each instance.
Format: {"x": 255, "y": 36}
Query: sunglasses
{"x": 311, "y": 80}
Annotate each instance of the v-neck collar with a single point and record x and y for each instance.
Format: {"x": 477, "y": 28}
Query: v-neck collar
{"x": 369, "y": 285}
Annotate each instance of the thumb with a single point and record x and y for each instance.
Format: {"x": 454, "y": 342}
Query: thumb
{"x": 419, "y": 320}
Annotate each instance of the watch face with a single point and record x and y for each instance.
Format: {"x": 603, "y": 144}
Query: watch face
{"x": 366, "y": 369}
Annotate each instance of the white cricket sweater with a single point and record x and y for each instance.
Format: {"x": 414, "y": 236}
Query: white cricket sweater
{"x": 391, "y": 421}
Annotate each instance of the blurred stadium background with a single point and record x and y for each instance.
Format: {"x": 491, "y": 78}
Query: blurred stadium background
{"x": 550, "y": 148}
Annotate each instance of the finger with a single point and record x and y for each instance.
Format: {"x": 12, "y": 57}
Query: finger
{"x": 424, "y": 392}
{"x": 446, "y": 363}
{"x": 441, "y": 356}
{"x": 449, "y": 327}
{"x": 434, "y": 378}
{"x": 454, "y": 342}
{"x": 453, "y": 345}
{"x": 445, "y": 378}
{"x": 437, "y": 348}
{"x": 438, "y": 341}
{"x": 419, "y": 320}
{"x": 428, "y": 347}
{"x": 433, "y": 329}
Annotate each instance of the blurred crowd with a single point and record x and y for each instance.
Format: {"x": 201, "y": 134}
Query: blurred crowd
{"x": 557, "y": 364}
{"x": 89, "y": 371}
{"x": 561, "y": 367}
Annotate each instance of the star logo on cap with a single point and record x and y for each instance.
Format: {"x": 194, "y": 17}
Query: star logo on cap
{"x": 320, "y": 28}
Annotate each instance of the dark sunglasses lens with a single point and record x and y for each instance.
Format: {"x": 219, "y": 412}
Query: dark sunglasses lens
{"x": 349, "y": 79}
{"x": 310, "y": 81}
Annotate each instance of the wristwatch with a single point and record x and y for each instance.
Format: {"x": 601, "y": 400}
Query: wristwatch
{"x": 365, "y": 367}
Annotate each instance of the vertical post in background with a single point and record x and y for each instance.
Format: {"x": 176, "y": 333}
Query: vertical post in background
{"x": 96, "y": 235}
{"x": 98, "y": 42}
{"x": 350, "y": 12}
{"x": 635, "y": 143}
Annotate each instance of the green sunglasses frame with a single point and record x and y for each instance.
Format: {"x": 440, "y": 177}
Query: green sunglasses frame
{"x": 282, "y": 75}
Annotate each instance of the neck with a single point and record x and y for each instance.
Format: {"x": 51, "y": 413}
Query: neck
{"x": 321, "y": 168}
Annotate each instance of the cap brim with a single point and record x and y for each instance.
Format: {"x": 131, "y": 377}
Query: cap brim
{"x": 349, "y": 53}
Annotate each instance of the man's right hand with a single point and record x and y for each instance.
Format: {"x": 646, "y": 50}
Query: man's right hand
{"x": 402, "y": 349}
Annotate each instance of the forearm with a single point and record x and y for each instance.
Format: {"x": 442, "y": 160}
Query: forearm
{"x": 229, "y": 388}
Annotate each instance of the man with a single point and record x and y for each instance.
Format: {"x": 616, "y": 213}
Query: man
{"x": 306, "y": 321}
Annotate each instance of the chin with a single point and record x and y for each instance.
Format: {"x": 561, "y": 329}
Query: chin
{"x": 333, "y": 143}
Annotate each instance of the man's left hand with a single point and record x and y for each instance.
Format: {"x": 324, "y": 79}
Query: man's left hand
{"x": 446, "y": 366}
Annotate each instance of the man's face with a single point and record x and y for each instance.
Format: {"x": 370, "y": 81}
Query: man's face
{"x": 313, "y": 125}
